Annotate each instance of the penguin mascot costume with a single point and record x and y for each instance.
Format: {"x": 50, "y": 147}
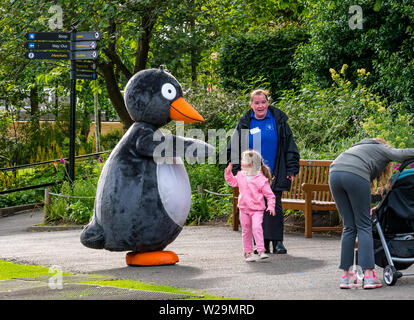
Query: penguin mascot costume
{"x": 143, "y": 195}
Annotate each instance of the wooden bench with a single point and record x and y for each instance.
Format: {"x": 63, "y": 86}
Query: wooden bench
{"x": 309, "y": 192}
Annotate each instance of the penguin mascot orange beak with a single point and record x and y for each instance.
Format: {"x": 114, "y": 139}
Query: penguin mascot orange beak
{"x": 181, "y": 110}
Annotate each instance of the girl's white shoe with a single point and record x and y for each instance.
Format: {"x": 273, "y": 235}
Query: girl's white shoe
{"x": 249, "y": 257}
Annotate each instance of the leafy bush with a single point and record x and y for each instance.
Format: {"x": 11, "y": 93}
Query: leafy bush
{"x": 34, "y": 141}
{"x": 110, "y": 140}
{"x": 251, "y": 60}
{"x": 27, "y": 177}
{"x": 23, "y": 142}
{"x": 71, "y": 209}
{"x": 383, "y": 46}
{"x": 206, "y": 206}
{"x": 395, "y": 127}
{"x": 21, "y": 197}
{"x": 327, "y": 121}
{"x": 5, "y": 121}
{"x": 220, "y": 109}
{"x": 81, "y": 211}
{"x": 77, "y": 200}
{"x": 396, "y": 79}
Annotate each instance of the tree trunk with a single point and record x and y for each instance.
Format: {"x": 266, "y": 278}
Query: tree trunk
{"x": 193, "y": 55}
{"x": 34, "y": 101}
{"x": 85, "y": 126}
{"x": 56, "y": 111}
{"x": 115, "y": 95}
{"x": 148, "y": 20}
{"x": 141, "y": 57}
{"x": 194, "y": 59}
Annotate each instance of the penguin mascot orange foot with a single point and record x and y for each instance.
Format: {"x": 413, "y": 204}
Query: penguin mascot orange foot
{"x": 143, "y": 195}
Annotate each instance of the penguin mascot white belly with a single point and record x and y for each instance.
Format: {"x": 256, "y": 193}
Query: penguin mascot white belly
{"x": 143, "y": 196}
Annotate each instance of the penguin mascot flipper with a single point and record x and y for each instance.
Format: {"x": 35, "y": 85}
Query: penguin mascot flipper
{"x": 93, "y": 236}
{"x": 166, "y": 148}
{"x": 144, "y": 195}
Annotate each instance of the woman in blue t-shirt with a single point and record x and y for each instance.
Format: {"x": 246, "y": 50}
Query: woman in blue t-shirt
{"x": 264, "y": 128}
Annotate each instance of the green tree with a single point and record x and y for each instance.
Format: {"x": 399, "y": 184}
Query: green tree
{"x": 383, "y": 46}
{"x": 126, "y": 27}
{"x": 183, "y": 35}
{"x": 261, "y": 58}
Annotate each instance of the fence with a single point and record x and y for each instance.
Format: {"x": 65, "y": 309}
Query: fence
{"x": 32, "y": 167}
{"x": 45, "y": 194}
{"x": 200, "y": 190}
{"x": 14, "y": 169}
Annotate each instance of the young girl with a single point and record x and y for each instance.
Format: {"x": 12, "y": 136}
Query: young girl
{"x": 254, "y": 184}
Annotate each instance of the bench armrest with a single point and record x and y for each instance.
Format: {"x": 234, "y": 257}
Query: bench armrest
{"x": 309, "y": 187}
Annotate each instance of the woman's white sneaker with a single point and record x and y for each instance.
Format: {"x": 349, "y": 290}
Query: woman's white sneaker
{"x": 249, "y": 257}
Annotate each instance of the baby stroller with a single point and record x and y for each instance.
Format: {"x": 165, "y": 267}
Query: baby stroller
{"x": 393, "y": 226}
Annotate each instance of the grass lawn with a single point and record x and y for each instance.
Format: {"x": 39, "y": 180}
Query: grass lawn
{"x": 10, "y": 270}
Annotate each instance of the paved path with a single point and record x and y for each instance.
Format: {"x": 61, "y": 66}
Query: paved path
{"x": 210, "y": 260}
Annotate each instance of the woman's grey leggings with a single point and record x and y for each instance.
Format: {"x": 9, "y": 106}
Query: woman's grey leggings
{"x": 352, "y": 195}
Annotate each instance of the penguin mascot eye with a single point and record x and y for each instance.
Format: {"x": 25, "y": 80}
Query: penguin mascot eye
{"x": 168, "y": 91}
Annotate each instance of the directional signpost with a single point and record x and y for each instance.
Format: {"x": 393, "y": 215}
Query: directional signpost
{"x": 85, "y": 70}
{"x": 85, "y": 66}
{"x": 76, "y": 47}
{"x": 48, "y": 36}
{"x": 80, "y": 36}
{"x": 84, "y": 45}
{"x": 84, "y": 55}
{"x": 33, "y": 45}
{"x": 48, "y": 55}
{"x": 85, "y": 75}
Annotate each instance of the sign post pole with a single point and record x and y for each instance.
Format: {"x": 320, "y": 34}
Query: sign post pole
{"x": 72, "y": 123}
{"x": 97, "y": 119}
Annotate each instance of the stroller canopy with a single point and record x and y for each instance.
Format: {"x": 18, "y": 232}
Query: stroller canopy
{"x": 401, "y": 198}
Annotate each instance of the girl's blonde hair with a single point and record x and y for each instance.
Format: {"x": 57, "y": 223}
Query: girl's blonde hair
{"x": 260, "y": 91}
{"x": 383, "y": 180}
{"x": 251, "y": 156}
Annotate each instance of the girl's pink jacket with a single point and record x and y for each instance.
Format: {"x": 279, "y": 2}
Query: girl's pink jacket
{"x": 253, "y": 192}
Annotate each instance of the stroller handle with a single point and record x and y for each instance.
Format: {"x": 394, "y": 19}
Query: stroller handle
{"x": 401, "y": 169}
{"x": 405, "y": 164}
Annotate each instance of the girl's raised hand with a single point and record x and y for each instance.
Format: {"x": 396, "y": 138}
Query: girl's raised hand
{"x": 229, "y": 167}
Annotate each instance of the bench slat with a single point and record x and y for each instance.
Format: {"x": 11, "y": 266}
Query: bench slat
{"x": 317, "y": 180}
{"x": 326, "y": 181}
{"x": 294, "y": 188}
{"x": 305, "y": 179}
{"x": 324, "y": 229}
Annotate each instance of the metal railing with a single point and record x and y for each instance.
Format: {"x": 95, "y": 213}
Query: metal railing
{"x": 37, "y": 164}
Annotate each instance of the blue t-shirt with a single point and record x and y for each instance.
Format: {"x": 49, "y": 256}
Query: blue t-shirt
{"x": 265, "y": 131}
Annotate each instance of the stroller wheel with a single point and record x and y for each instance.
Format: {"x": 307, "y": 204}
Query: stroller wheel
{"x": 390, "y": 275}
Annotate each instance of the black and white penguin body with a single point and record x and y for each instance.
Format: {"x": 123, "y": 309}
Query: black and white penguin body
{"x": 141, "y": 202}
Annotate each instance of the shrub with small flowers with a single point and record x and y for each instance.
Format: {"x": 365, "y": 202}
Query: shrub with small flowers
{"x": 77, "y": 200}
{"x": 396, "y": 127}
{"x": 325, "y": 122}
{"x": 206, "y": 206}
